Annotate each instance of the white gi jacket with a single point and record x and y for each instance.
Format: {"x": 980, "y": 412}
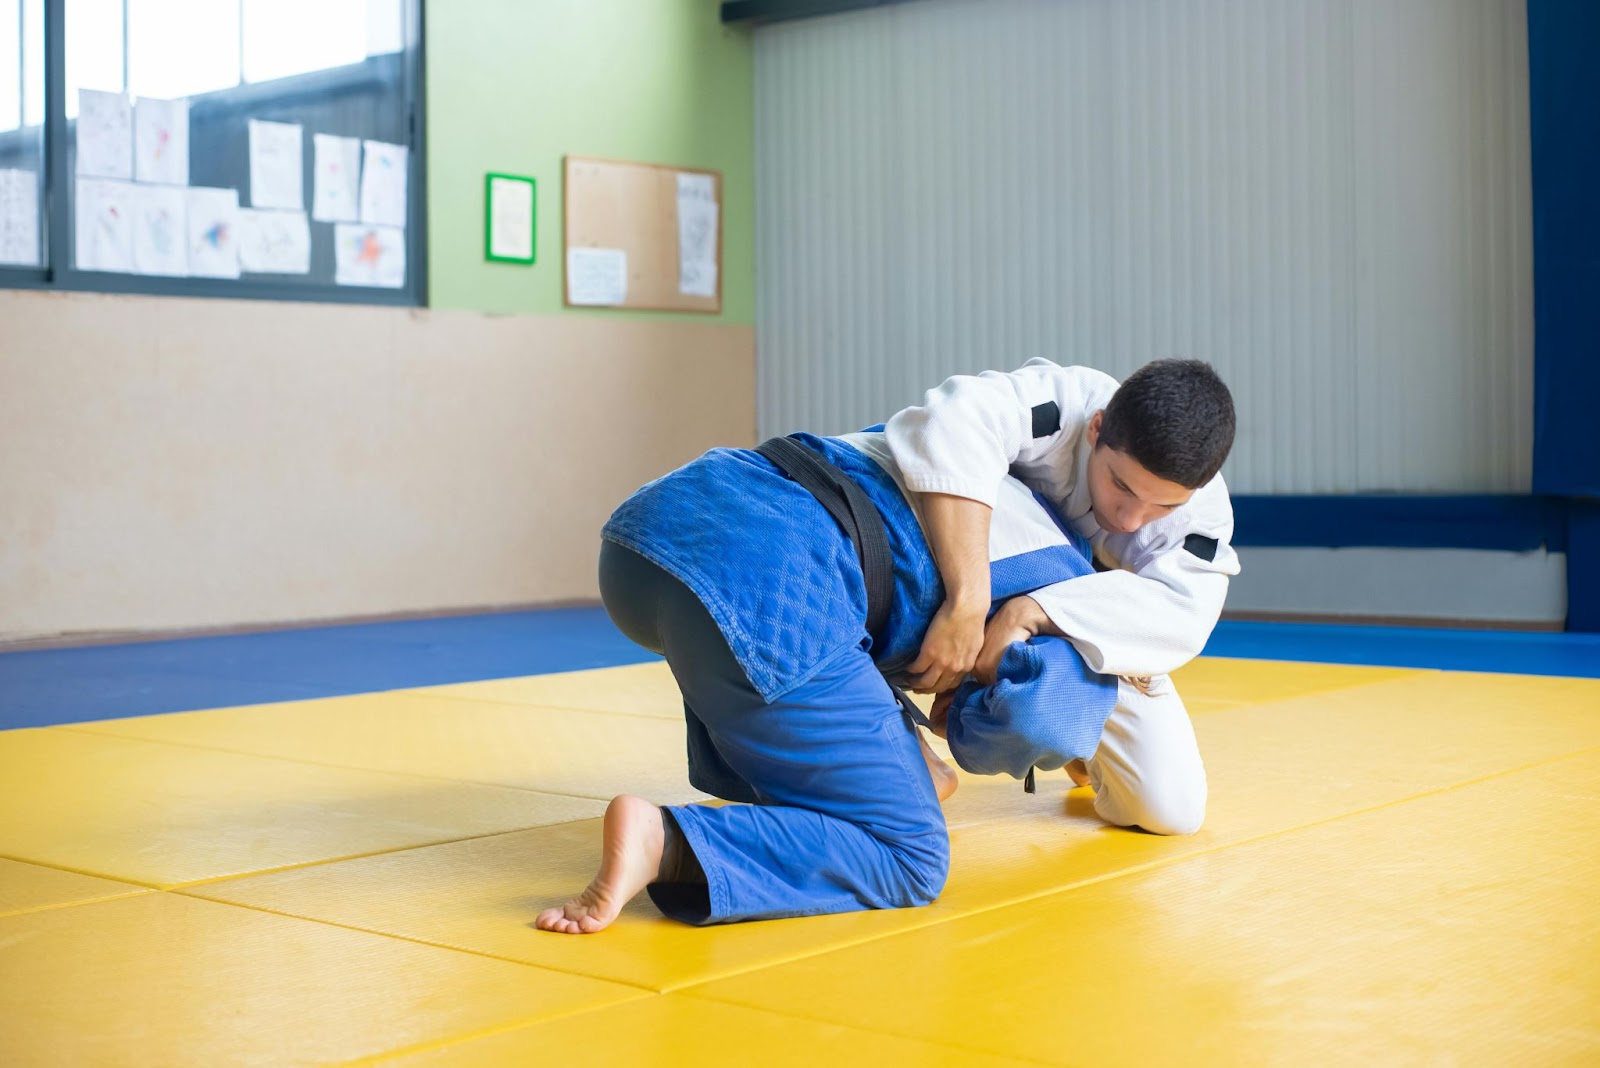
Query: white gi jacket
{"x": 1154, "y": 609}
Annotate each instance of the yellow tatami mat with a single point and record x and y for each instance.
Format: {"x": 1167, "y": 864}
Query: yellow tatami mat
{"x": 671, "y": 1029}
{"x": 1397, "y": 866}
{"x": 522, "y": 746}
{"x": 1433, "y": 930}
{"x": 27, "y": 887}
{"x": 164, "y": 815}
{"x": 165, "y": 979}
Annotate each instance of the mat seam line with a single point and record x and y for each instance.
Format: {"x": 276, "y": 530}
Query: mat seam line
{"x": 423, "y": 695}
{"x": 82, "y": 871}
{"x": 1264, "y": 836}
{"x": 490, "y": 1032}
{"x": 75, "y": 729}
{"x": 410, "y": 939}
{"x": 73, "y": 904}
{"x": 689, "y": 988}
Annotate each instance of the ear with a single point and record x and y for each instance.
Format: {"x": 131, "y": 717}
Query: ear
{"x": 1094, "y": 427}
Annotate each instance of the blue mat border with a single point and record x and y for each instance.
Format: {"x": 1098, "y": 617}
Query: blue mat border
{"x": 58, "y": 686}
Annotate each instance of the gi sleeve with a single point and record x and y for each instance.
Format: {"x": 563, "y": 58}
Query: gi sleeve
{"x": 972, "y": 428}
{"x": 1045, "y": 708}
{"x": 1154, "y": 617}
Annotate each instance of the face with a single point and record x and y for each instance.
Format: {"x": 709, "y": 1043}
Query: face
{"x": 1124, "y": 494}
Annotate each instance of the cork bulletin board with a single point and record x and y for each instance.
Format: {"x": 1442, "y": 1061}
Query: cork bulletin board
{"x": 642, "y": 235}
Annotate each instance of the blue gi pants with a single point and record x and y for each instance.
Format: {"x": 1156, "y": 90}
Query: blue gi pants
{"x": 843, "y": 814}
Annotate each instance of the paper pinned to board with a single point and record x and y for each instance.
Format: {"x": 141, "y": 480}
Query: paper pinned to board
{"x": 697, "y": 235}
{"x": 160, "y": 236}
{"x": 103, "y": 225}
{"x": 19, "y": 218}
{"x": 277, "y": 175}
{"x": 383, "y": 183}
{"x": 369, "y": 256}
{"x": 104, "y": 135}
{"x": 274, "y": 242}
{"x": 161, "y": 141}
{"x": 336, "y": 188}
{"x": 597, "y": 276}
{"x": 213, "y": 231}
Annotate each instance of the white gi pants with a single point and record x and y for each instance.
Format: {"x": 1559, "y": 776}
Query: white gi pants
{"x": 1147, "y": 771}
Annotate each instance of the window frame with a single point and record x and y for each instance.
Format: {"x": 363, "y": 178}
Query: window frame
{"x": 62, "y": 276}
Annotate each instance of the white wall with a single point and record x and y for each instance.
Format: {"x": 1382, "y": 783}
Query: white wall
{"x": 1328, "y": 199}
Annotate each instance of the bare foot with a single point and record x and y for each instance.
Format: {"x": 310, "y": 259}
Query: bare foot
{"x": 945, "y": 780}
{"x": 1078, "y": 772}
{"x": 630, "y": 857}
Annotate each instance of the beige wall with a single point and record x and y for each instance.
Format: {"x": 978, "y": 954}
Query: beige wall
{"x": 174, "y": 464}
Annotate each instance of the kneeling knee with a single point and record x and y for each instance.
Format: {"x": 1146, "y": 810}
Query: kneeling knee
{"x": 1173, "y": 812}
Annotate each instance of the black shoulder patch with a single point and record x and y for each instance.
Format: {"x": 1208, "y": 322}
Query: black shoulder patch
{"x": 1200, "y": 545}
{"x": 1046, "y": 419}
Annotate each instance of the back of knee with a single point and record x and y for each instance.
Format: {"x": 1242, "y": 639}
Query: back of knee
{"x": 926, "y": 866}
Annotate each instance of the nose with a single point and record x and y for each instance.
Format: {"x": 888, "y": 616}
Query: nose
{"x": 1127, "y": 521}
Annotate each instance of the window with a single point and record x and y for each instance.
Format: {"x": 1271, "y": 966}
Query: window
{"x": 244, "y": 148}
{"x": 22, "y": 153}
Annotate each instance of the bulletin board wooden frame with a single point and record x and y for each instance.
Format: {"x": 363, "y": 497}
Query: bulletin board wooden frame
{"x": 634, "y": 207}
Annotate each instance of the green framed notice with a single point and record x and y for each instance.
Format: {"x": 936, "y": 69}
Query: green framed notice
{"x": 509, "y": 210}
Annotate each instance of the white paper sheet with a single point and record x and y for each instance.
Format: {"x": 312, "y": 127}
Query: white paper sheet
{"x": 510, "y": 219}
{"x": 336, "y": 191}
{"x": 597, "y": 276}
{"x": 369, "y": 256}
{"x": 274, "y": 242}
{"x": 161, "y": 141}
{"x": 697, "y": 235}
{"x": 160, "y": 234}
{"x": 383, "y": 184}
{"x": 103, "y": 227}
{"x": 213, "y": 233}
{"x": 19, "y": 218}
{"x": 277, "y": 176}
{"x": 104, "y": 135}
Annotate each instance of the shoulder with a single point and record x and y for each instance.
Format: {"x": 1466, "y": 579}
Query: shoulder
{"x": 1084, "y": 384}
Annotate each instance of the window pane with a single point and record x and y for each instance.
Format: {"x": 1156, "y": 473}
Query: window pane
{"x": 10, "y": 64}
{"x": 21, "y": 137}
{"x": 179, "y": 48}
{"x": 386, "y": 27}
{"x": 284, "y": 37}
{"x": 94, "y": 49}
{"x": 32, "y": 62}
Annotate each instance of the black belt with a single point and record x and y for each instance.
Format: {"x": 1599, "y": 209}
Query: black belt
{"x": 863, "y": 524}
{"x": 856, "y": 515}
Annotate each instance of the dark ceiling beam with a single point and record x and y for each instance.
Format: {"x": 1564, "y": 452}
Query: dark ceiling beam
{"x": 760, "y": 11}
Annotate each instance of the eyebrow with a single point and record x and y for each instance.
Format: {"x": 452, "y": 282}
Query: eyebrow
{"x": 1129, "y": 489}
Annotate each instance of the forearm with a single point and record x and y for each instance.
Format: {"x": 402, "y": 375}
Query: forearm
{"x": 958, "y": 534}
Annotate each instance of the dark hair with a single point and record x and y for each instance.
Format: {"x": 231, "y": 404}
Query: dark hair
{"x": 1175, "y": 417}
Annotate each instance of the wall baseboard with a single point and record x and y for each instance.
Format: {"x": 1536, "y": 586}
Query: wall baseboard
{"x": 1429, "y": 622}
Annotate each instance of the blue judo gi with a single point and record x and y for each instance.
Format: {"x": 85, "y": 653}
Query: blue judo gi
{"x": 747, "y": 586}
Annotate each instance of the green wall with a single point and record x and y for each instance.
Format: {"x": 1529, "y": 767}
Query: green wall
{"x": 515, "y": 85}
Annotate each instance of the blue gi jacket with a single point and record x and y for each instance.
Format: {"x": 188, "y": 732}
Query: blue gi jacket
{"x": 784, "y": 586}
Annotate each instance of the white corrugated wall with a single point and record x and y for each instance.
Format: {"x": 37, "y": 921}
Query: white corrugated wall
{"x": 1327, "y": 199}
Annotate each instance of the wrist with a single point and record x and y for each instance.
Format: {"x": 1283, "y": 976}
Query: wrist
{"x": 966, "y": 605}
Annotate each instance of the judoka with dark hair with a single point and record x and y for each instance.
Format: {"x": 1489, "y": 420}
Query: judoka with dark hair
{"x": 755, "y": 596}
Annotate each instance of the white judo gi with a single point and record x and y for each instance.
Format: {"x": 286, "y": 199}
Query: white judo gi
{"x": 1148, "y": 613}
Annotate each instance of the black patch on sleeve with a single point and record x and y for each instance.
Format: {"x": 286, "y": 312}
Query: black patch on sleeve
{"x": 1046, "y": 419}
{"x": 1203, "y": 547}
